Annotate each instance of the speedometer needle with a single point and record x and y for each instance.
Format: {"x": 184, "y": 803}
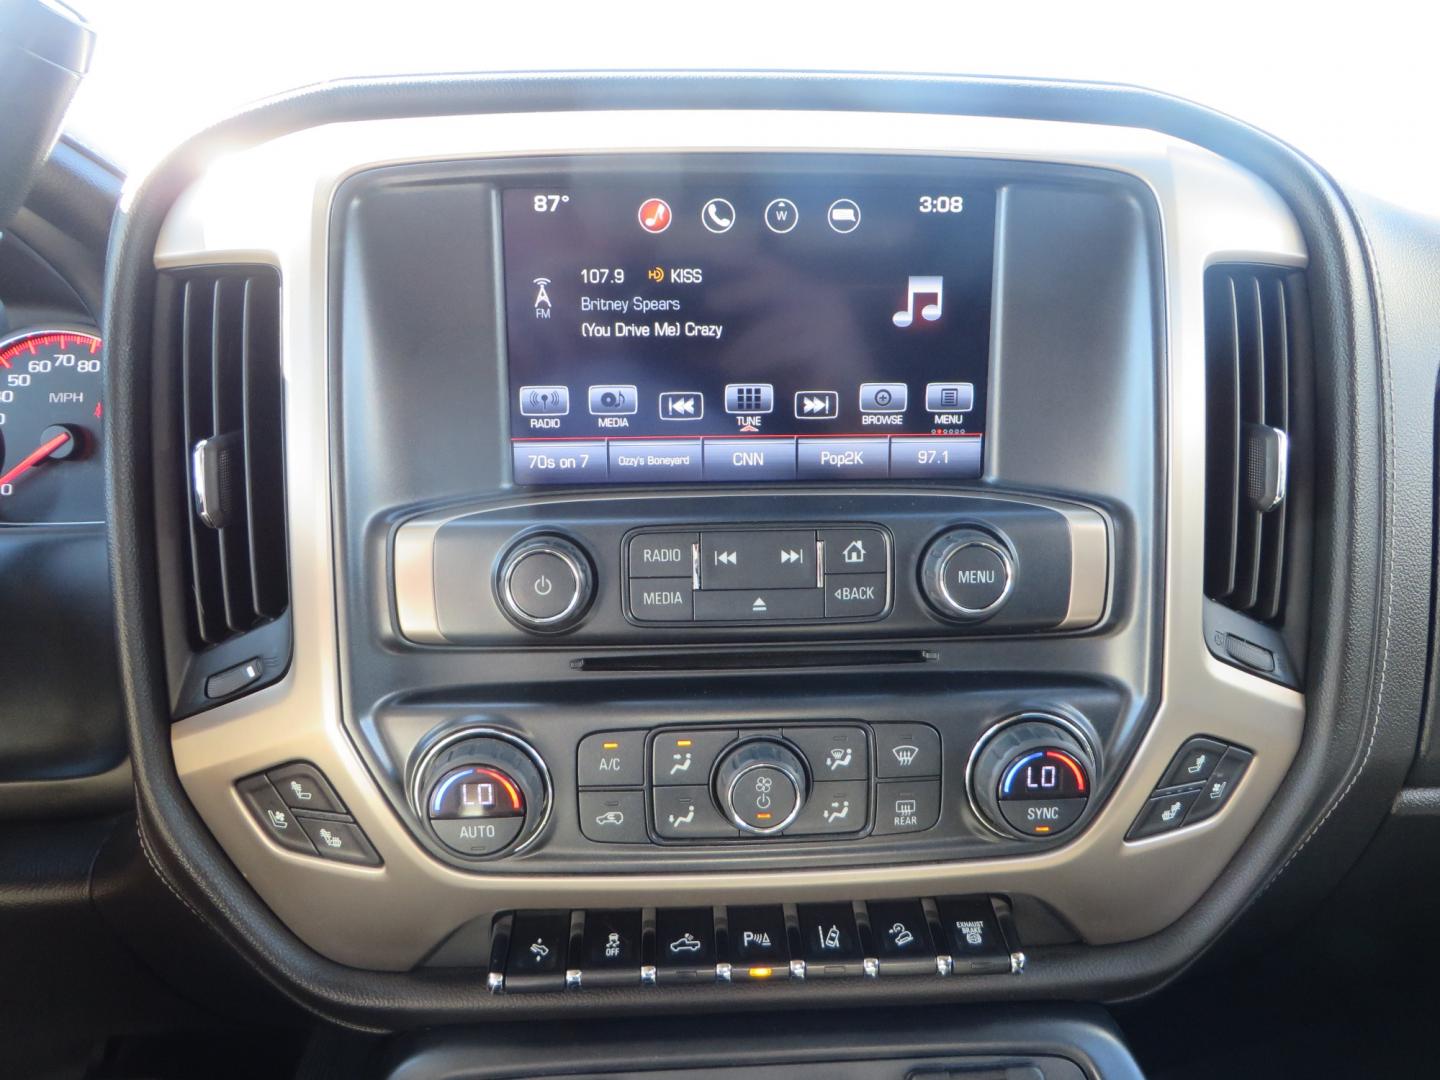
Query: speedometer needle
{"x": 39, "y": 454}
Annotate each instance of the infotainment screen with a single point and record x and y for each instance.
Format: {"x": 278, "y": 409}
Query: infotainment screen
{"x": 747, "y": 327}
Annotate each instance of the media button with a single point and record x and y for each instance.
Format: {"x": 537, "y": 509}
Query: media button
{"x": 661, "y": 599}
{"x": 560, "y": 463}
{"x": 749, "y": 459}
{"x": 682, "y": 405}
{"x": 816, "y": 405}
{"x": 640, "y": 461}
{"x": 544, "y": 401}
{"x": 748, "y": 398}
{"x": 949, "y": 457}
{"x": 613, "y": 401}
{"x": 828, "y": 458}
{"x": 884, "y": 397}
{"x": 944, "y": 397}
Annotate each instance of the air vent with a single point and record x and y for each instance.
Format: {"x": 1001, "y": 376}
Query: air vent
{"x": 228, "y": 333}
{"x": 1252, "y": 336}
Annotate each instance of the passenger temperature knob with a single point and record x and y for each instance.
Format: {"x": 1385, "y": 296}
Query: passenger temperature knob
{"x": 1031, "y": 777}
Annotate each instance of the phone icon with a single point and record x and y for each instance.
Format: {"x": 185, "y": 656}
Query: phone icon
{"x": 718, "y": 215}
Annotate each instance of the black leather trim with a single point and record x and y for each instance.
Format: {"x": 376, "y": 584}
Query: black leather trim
{"x": 1356, "y": 669}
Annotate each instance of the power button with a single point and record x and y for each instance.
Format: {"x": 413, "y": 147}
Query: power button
{"x": 545, "y": 583}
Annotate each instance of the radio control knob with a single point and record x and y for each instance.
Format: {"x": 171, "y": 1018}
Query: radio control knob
{"x": 545, "y": 584}
{"x": 761, "y": 786}
{"x": 967, "y": 575}
{"x": 1031, "y": 777}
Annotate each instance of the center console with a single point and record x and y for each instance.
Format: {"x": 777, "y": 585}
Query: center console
{"x": 766, "y": 529}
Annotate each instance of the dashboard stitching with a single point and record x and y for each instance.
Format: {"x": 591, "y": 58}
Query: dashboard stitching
{"x": 1389, "y": 554}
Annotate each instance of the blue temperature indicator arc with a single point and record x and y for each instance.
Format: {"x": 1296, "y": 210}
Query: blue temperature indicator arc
{"x": 439, "y": 797}
{"x": 1014, "y": 769}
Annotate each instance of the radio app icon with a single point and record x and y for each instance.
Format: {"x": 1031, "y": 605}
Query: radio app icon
{"x": 655, "y": 215}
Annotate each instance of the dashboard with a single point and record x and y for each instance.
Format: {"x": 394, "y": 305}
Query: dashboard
{"x": 946, "y": 644}
{"x": 778, "y": 544}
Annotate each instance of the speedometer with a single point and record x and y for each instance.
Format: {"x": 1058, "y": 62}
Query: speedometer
{"x": 50, "y": 414}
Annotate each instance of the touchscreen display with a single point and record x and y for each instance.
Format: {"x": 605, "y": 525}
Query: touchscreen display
{"x": 759, "y": 327}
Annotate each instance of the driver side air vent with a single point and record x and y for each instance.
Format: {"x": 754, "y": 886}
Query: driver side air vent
{"x": 1253, "y": 334}
{"x": 226, "y": 325}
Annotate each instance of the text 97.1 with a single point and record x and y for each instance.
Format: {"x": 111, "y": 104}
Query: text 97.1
{"x": 548, "y": 204}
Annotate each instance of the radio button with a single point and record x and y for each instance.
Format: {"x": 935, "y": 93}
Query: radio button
{"x": 951, "y": 457}
{"x": 853, "y": 596}
{"x": 658, "y": 555}
{"x": 637, "y": 461}
{"x": 825, "y": 459}
{"x": 854, "y": 551}
{"x": 661, "y": 599}
{"x": 561, "y": 463}
{"x": 759, "y": 605}
{"x": 749, "y": 459}
{"x": 758, "y": 559}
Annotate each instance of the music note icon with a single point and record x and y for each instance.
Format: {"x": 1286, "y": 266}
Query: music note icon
{"x": 922, "y": 286}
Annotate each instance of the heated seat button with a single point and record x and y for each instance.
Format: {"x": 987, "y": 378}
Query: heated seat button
{"x": 341, "y": 841}
{"x": 904, "y": 750}
{"x": 685, "y": 945}
{"x": 1162, "y": 814}
{"x": 304, "y": 787}
{"x": 539, "y": 944}
{"x": 830, "y": 941}
{"x": 1195, "y": 761}
{"x": 854, "y": 596}
{"x": 972, "y": 935}
{"x": 275, "y": 818}
{"x": 659, "y": 555}
{"x": 759, "y": 943}
{"x": 611, "y": 759}
{"x": 1223, "y": 781}
{"x": 902, "y": 937}
{"x": 611, "y": 950}
{"x": 758, "y": 559}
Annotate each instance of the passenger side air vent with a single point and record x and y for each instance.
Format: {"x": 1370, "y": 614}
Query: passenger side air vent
{"x": 227, "y": 330}
{"x": 1252, "y": 337}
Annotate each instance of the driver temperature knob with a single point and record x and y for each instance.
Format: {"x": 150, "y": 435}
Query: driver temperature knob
{"x": 482, "y": 792}
{"x": 1031, "y": 777}
{"x": 761, "y": 786}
